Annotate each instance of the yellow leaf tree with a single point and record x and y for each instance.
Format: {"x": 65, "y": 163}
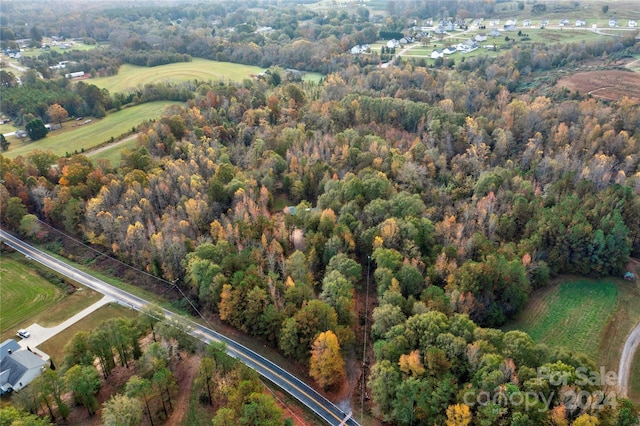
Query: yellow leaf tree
{"x": 327, "y": 365}
{"x": 411, "y": 364}
{"x": 458, "y": 415}
{"x": 586, "y": 420}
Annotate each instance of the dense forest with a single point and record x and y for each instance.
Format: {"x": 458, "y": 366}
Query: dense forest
{"x": 453, "y": 192}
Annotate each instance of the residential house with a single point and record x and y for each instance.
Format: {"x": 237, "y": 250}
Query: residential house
{"x": 494, "y": 22}
{"x": 633, "y": 23}
{"x": 613, "y": 22}
{"x": 356, "y": 50}
{"x": 449, "y": 50}
{"x": 393, "y": 43}
{"x": 526, "y": 22}
{"x": 495, "y": 33}
{"x": 437, "y": 54}
{"x": 510, "y": 22}
{"x": 581, "y": 23}
{"x": 544, "y": 22}
{"x": 509, "y": 27}
{"x": 480, "y": 37}
{"x": 18, "y": 367}
{"x": 293, "y": 74}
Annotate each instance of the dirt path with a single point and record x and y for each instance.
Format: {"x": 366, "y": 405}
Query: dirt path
{"x": 624, "y": 370}
{"x": 111, "y": 145}
{"x": 628, "y": 352}
{"x": 186, "y": 371}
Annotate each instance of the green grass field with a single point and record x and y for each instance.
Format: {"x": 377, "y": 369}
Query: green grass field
{"x": 572, "y": 314}
{"x": 113, "y": 153}
{"x": 69, "y": 138}
{"x": 589, "y": 316}
{"x": 55, "y": 345}
{"x": 131, "y": 76}
{"x": 23, "y": 294}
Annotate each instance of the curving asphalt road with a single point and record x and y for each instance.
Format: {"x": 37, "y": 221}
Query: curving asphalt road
{"x": 324, "y": 408}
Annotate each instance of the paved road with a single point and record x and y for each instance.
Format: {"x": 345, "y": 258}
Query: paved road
{"x": 285, "y": 380}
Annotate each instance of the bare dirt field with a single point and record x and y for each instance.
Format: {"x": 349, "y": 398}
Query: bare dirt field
{"x": 605, "y": 84}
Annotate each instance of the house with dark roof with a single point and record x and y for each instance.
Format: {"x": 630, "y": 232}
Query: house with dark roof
{"x": 18, "y": 367}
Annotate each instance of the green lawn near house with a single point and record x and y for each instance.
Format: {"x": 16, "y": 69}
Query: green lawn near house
{"x": 23, "y": 294}
{"x": 54, "y": 347}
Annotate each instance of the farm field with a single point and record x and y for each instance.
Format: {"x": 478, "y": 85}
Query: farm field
{"x": 131, "y": 76}
{"x": 23, "y": 294}
{"x": 584, "y": 315}
{"x": 69, "y": 139}
{"x": 572, "y": 314}
{"x": 608, "y": 84}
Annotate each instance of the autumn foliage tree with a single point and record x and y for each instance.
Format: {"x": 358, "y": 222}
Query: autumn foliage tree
{"x": 327, "y": 365}
{"x": 57, "y": 113}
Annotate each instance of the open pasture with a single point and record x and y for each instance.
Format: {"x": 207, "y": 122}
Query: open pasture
{"x": 69, "y": 139}
{"x": 132, "y": 76}
{"x": 572, "y": 314}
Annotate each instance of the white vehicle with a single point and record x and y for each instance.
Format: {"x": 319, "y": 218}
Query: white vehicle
{"x": 23, "y": 333}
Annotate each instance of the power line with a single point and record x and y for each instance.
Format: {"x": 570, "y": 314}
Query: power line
{"x": 173, "y": 284}
{"x": 364, "y": 347}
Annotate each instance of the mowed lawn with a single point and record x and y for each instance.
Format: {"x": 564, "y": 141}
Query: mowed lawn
{"x": 571, "y": 314}
{"x": 54, "y": 346}
{"x": 69, "y": 139}
{"x": 23, "y": 293}
{"x": 132, "y": 76}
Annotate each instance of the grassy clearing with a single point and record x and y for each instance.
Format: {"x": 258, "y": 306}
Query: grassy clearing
{"x": 131, "y": 76}
{"x": 7, "y": 128}
{"x": 54, "y": 347}
{"x": 313, "y": 77}
{"x": 113, "y": 153}
{"x": 23, "y": 294}
{"x": 572, "y": 314}
{"x": 69, "y": 138}
{"x": 590, "y": 316}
